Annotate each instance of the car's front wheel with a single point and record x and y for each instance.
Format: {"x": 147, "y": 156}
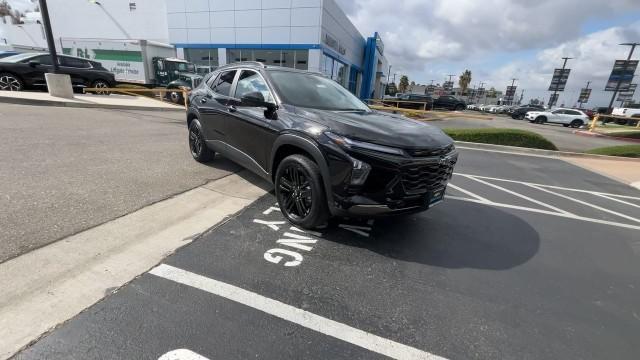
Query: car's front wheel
{"x": 576, "y": 124}
{"x": 541, "y": 120}
{"x": 10, "y": 82}
{"x": 300, "y": 192}
{"x": 101, "y": 84}
{"x": 197, "y": 144}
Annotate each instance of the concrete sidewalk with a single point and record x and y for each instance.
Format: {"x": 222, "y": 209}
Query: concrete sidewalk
{"x": 113, "y": 101}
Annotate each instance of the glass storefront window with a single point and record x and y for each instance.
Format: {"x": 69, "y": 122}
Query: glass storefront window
{"x": 302, "y": 59}
{"x": 288, "y": 58}
{"x": 205, "y": 60}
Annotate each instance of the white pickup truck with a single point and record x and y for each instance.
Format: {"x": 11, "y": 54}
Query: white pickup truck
{"x": 626, "y": 112}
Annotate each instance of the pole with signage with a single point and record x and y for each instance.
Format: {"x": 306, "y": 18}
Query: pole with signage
{"x": 559, "y": 80}
{"x": 46, "y": 22}
{"x": 628, "y": 67}
{"x": 585, "y": 93}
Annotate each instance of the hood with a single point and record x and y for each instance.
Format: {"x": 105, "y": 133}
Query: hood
{"x": 379, "y": 128}
{"x": 190, "y": 75}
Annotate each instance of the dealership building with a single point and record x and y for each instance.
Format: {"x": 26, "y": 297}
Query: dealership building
{"x": 313, "y": 35}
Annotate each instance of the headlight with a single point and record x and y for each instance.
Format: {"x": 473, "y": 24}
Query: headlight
{"x": 350, "y": 144}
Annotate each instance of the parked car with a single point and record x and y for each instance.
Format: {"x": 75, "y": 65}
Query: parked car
{"x": 520, "y": 112}
{"x": 417, "y": 101}
{"x": 4, "y": 54}
{"x": 566, "y": 117}
{"x": 326, "y": 152}
{"x": 26, "y": 71}
{"x": 449, "y": 102}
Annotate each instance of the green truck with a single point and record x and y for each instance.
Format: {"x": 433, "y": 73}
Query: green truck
{"x": 140, "y": 62}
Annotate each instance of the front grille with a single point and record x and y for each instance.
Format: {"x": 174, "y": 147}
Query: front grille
{"x": 430, "y": 152}
{"x": 422, "y": 178}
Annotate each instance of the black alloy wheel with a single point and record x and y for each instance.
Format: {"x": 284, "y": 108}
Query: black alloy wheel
{"x": 300, "y": 192}
{"x": 576, "y": 124}
{"x": 197, "y": 145}
{"x": 101, "y": 84}
{"x": 10, "y": 82}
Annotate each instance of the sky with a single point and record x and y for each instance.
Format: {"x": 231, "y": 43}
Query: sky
{"x": 503, "y": 39}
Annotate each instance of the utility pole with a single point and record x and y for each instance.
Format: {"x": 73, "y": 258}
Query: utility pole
{"x": 580, "y": 98}
{"x": 386, "y": 89}
{"x": 484, "y": 91}
{"x": 564, "y": 65}
{"x": 49, "y": 33}
{"x": 521, "y": 97}
{"x": 615, "y": 93}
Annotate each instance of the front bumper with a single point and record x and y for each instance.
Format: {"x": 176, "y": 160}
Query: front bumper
{"x": 395, "y": 185}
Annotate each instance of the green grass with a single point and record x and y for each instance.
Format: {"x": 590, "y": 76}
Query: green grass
{"x": 497, "y": 136}
{"x": 631, "y": 134}
{"x": 625, "y": 150}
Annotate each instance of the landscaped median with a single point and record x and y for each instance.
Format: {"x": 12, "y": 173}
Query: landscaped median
{"x": 624, "y": 150}
{"x": 498, "y": 136}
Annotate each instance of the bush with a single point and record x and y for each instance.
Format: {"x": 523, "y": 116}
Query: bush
{"x": 509, "y": 137}
{"x": 624, "y": 150}
{"x": 632, "y": 134}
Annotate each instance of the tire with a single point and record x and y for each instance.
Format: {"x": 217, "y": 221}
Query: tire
{"x": 10, "y": 82}
{"x": 521, "y": 117}
{"x": 197, "y": 145}
{"x": 576, "y": 123}
{"x": 101, "y": 84}
{"x": 541, "y": 120}
{"x": 565, "y": 125}
{"x": 300, "y": 192}
{"x": 459, "y": 108}
{"x": 176, "y": 97}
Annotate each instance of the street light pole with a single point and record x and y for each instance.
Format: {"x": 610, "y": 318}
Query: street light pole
{"x": 615, "y": 93}
{"x": 484, "y": 92}
{"x": 46, "y": 22}
{"x": 386, "y": 90}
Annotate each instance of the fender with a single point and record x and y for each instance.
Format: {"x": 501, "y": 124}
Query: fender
{"x": 310, "y": 146}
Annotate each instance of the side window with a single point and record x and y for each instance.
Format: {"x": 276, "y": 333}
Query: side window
{"x": 222, "y": 85}
{"x": 251, "y": 81}
{"x": 74, "y": 63}
{"x": 558, "y": 112}
{"x": 573, "y": 112}
{"x": 43, "y": 60}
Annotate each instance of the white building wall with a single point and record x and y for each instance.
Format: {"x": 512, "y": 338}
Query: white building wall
{"x": 22, "y": 36}
{"x": 244, "y": 22}
{"x": 84, "y": 19}
{"x": 337, "y": 25}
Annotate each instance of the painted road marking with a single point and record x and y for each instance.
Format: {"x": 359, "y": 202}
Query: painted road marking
{"x": 467, "y": 192}
{"x": 272, "y": 224}
{"x": 617, "y": 200}
{"x": 182, "y": 354}
{"x": 360, "y": 230}
{"x": 292, "y": 314}
{"x": 509, "y": 152}
{"x": 568, "y": 216}
{"x": 585, "y": 203}
{"x": 519, "y": 195}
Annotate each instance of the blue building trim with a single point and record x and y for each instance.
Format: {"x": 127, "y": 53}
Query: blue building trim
{"x": 369, "y": 63}
{"x": 250, "y": 46}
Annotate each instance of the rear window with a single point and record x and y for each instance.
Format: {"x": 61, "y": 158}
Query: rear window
{"x": 74, "y": 62}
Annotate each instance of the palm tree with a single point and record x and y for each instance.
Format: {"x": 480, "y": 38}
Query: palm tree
{"x": 464, "y": 81}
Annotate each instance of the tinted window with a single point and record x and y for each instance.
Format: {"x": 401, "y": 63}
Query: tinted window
{"x": 222, "y": 85}
{"x": 558, "y": 112}
{"x": 572, "y": 112}
{"x": 314, "y": 91}
{"x": 74, "y": 62}
{"x": 43, "y": 60}
{"x": 251, "y": 81}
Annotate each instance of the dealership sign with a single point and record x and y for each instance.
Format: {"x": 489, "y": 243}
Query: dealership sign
{"x": 621, "y": 75}
{"x": 559, "y": 80}
{"x": 448, "y": 85}
{"x": 585, "y": 94}
{"x": 553, "y": 100}
{"x": 510, "y": 93}
{"x": 627, "y": 95}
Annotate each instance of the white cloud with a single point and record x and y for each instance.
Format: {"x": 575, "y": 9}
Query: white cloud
{"x": 453, "y": 34}
{"x": 23, "y": 5}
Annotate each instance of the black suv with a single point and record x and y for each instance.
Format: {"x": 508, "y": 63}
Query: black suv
{"x": 26, "y": 71}
{"x": 519, "y": 112}
{"x": 449, "y": 102}
{"x": 326, "y": 152}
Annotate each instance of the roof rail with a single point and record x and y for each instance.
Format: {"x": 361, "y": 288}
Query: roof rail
{"x": 254, "y": 63}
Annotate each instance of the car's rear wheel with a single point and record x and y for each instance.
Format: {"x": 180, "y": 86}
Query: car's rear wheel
{"x": 10, "y": 82}
{"x": 459, "y": 108}
{"x": 300, "y": 192}
{"x": 197, "y": 144}
{"x": 101, "y": 84}
{"x": 576, "y": 123}
{"x": 565, "y": 125}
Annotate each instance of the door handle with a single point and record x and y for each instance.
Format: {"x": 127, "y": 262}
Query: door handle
{"x": 232, "y": 108}
{"x": 203, "y": 100}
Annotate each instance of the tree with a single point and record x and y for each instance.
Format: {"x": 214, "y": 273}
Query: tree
{"x": 404, "y": 84}
{"x": 492, "y": 93}
{"x": 464, "y": 81}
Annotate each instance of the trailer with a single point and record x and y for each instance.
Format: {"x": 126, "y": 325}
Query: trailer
{"x": 140, "y": 62}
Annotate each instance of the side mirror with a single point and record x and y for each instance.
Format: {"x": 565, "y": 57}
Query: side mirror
{"x": 33, "y": 63}
{"x": 256, "y": 99}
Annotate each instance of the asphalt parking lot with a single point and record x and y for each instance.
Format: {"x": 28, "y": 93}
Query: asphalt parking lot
{"x": 528, "y": 258}
{"x": 68, "y": 169}
{"x": 563, "y": 138}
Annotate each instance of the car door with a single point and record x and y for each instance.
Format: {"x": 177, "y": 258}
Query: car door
{"x": 35, "y": 68}
{"x": 556, "y": 116}
{"x": 248, "y": 128}
{"x": 77, "y": 69}
{"x": 213, "y": 106}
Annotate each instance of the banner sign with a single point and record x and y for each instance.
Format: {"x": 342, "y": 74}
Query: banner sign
{"x": 510, "y": 93}
{"x": 627, "y": 95}
{"x": 448, "y": 85}
{"x": 559, "y": 80}
{"x": 553, "y": 100}
{"x": 621, "y": 74}
{"x": 585, "y": 94}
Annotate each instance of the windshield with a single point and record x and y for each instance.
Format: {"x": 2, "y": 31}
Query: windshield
{"x": 18, "y": 58}
{"x": 314, "y": 91}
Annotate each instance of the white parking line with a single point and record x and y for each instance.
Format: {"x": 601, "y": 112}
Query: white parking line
{"x": 519, "y": 195}
{"x": 617, "y": 200}
{"x": 476, "y": 196}
{"x": 585, "y": 203}
{"x": 292, "y": 314}
{"x": 568, "y": 216}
